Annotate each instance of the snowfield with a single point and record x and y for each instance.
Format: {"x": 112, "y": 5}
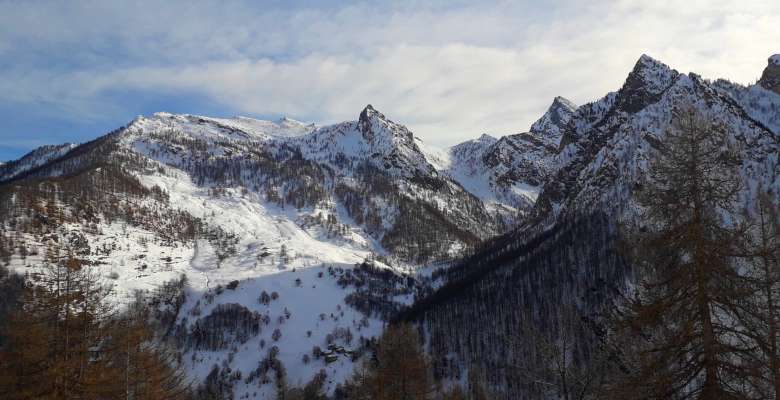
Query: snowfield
{"x": 261, "y": 229}
{"x": 140, "y": 261}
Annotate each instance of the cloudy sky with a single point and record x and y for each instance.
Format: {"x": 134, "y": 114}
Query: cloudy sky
{"x": 450, "y": 70}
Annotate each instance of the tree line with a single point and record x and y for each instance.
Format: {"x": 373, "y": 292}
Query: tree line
{"x": 63, "y": 340}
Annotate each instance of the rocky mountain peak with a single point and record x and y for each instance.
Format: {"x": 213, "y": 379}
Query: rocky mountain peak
{"x": 374, "y": 126}
{"x": 285, "y": 120}
{"x": 369, "y": 114}
{"x": 770, "y": 79}
{"x": 486, "y": 138}
{"x": 367, "y": 119}
{"x": 562, "y": 102}
{"x": 551, "y": 125}
{"x": 645, "y": 83}
{"x": 471, "y": 150}
{"x": 654, "y": 74}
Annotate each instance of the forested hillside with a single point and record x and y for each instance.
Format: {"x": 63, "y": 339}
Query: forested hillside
{"x": 530, "y": 312}
{"x": 238, "y": 259}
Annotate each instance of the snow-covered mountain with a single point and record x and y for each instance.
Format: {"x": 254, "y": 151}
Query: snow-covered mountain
{"x": 606, "y": 144}
{"x": 340, "y": 220}
{"x": 550, "y": 127}
{"x": 564, "y": 255}
{"x": 33, "y": 159}
{"x": 242, "y": 207}
{"x": 509, "y": 172}
{"x": 370, "y": 172}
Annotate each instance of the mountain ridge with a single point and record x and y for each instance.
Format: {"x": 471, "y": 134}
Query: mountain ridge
{"x": 344, "y": 220}
{"x": 564, "y": 256}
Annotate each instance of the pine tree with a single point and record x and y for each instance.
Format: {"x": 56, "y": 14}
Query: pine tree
{"x": 24, "y": 367}
{"x": 557, "y": 367}
{"x": 476, "y": 389}
{"x": 311, "y": 391}
{"x": 456, "y": 393}
{"x": 687, "y": 277}
{"x": 399, "y": 371}
{"x": 760, "y": 315}
{"x": 54, "y": 339}
{"x": 148, "y": 370}
{"x": 64, "y": 342}
{"x": 284, "y": 257}
{"x": 359, "y": 386}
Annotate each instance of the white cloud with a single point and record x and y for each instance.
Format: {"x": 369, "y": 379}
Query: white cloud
{"x": 448, "y": 73}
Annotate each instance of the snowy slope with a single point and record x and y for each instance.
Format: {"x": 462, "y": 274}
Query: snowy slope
{"x": 284, "y": 127}
{"x": 33, "y": 159}
{"x": 274, "y": 202}
{"x": 249, "y": 128}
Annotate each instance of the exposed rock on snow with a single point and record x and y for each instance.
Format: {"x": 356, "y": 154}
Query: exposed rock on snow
{"x": 552, "y": 124}
{"x": 770, "y": 79}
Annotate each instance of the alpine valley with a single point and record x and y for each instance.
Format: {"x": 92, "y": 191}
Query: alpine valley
{"x": 284, "y": 248}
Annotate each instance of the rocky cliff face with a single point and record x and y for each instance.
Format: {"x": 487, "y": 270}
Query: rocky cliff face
{"x": 607, "y": 143}
{"x": 507, "y": 173}
{"x": 551, "y": 125}
{"x": 770, "y": 79}
{"x": 564, "y": 256}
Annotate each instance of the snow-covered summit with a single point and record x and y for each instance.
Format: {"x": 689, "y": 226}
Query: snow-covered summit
{"x": 372, "y": 138}
{"x": 486, "y": 138}
{"x": 506, "y": 172}
{"x": 654, "y": 74}
{"x": 375, "y": 127}
{"x": 563, "y": 102}
{"x": 551, "y": 125}
{"x": 646, "y": 81}
{"x": 470, "y": 147}
{"x": 221, "y": 128}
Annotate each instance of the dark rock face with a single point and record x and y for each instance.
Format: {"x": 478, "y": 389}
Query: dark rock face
{"x": 371, "y": 121}
{"x": 770, "y": 79}
{"x": 551, "y": 125}
{"x": 364, "y": 121}
{"x": 644, "y": 84}
{"x": 520, "y": 158}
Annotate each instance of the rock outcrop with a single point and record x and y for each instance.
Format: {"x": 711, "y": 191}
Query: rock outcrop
{"x": 770, "y": 79}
